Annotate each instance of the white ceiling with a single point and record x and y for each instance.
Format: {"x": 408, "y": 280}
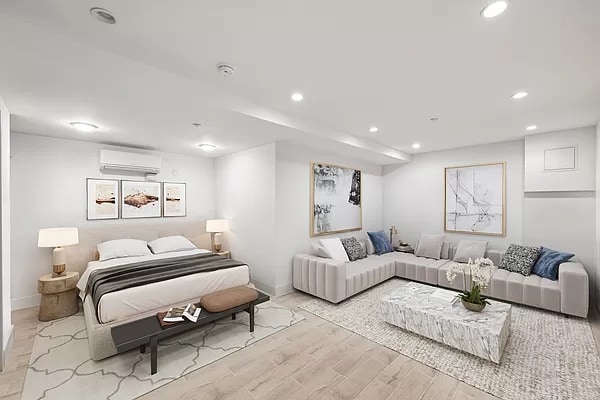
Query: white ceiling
{"x": 393, "y": 64}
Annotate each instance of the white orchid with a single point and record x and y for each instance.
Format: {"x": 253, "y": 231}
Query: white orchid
{"x": 481, "y": 271}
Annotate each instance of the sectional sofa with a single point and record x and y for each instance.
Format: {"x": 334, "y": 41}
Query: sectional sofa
{"x": 335, "y": 281}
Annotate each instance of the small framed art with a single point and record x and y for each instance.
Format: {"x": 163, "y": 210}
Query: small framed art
{"x": 102, "y": 199}
{"x": 174, "y": 202}
{"x": 140, "y": 199}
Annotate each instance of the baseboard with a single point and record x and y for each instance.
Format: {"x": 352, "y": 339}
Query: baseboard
{"x": 268, "y": 289}
{"x": 8, "y": 348}
{"x": 284, "y": 289}
{"x": 25, "y": 302}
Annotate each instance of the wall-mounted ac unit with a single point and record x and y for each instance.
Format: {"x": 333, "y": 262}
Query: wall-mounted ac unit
{"x": 132, "y": 162}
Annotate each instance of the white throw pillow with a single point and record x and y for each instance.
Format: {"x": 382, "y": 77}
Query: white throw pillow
{"x": 370, "y": 246}
{"x": 472, "y": 249}
{"x": 171, "y": 243}
{"x": 335, "y": 249}
{"x": 319, "y": 250}
{"x": 120, "y": 248}
{"x": 430, "y": 246}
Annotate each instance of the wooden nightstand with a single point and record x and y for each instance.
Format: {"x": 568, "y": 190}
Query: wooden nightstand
{"x": 59, "y": 296}
{"x": 225, "y": 253}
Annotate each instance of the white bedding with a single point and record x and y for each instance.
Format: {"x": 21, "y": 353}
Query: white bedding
{"x": 130, "y": 302}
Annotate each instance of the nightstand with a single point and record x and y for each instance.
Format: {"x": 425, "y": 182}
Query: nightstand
{"x": 404, "y": 249}
{"x": 59, "y": 295}
{"x": 225, "y": 253}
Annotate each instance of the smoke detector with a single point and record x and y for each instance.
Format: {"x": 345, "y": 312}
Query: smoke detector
{"x": 226, "y": 70}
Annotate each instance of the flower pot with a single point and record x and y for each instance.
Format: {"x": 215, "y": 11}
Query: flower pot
{"x": 473, "y": 306}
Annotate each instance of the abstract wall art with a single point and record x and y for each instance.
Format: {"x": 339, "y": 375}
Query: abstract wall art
{"x": 335, "y": 199}
{"x": 475, "y": 199}
{"x": 102, "y": 199}
{"x": 174, "y": 203}
{"x": 140, "y": 199}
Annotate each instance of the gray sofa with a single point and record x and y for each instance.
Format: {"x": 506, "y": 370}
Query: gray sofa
{"x": 335, "y": 281}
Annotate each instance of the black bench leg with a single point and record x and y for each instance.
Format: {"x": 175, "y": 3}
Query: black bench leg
{"x": 153, "y": 354}
{"x": 251, "y": 312}
{"x": 143, "y": 348}
{"x": 233, "y": 316}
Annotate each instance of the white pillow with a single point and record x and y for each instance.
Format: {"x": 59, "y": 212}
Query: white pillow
{"x": 319, "y": 250}
{"x": 123, "y": 248}
{"x": 370, "y": 246}
{"x": 472, "y": 249}
{"x": 335, "y": 249}
{"x": 430, "y": 246}
{"x": 170, "y": 243}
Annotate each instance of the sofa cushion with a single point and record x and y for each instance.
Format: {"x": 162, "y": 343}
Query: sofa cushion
{"x": 334, "y": 248}
{"x": 520, "y": 259}
{"x": 430, "y": 246}
{"x": 470, "y": 249}
{"x": 370, "y": 246}
{"x": 547, "y": 264}
{"x": 353, "y": 248}
{"x": 319, "y": 251}
{"x": 418, "y": 268}
{"x": 381, "y": 242}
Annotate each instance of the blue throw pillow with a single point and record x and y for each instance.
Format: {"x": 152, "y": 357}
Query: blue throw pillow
{"x": 381, "y": 242}
{"x": 548, "y": 262}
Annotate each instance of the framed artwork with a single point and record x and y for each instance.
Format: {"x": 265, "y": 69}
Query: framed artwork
{"x": 335, "y": 199}
{"x": 475, "y": 199}
{"x": 174, "y": 202}
{"x": 102, "y": 197}
{"x": 140, "y": 199}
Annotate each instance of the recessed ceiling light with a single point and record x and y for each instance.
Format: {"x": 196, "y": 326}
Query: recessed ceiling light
{"x": 373, "y": 129}
{"x": 531, "y": 127}
{"x": 520, "y": 95}
{"x": 297, "y": 96}
{"x": 103, "y": 15}
{"x": 83, "y": 126}
{"x": 434, "y": 119}
{"x": 416, "y": 146}
{"x": 207, "y": 147}
{"x": 494, "y": 9}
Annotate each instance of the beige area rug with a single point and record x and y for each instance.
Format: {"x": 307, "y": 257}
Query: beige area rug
{"x": 548, "y": 355}
{"x": 60, "y": 366}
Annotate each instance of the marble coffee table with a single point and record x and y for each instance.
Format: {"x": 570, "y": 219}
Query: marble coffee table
{"x": 482, "y": 334}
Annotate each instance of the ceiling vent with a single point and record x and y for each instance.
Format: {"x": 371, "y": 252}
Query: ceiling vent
{"x": 131, "y": 162}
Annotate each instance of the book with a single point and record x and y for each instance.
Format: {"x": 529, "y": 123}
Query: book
{"x": 179, "y": 314}
{"x": 444, "y": 296}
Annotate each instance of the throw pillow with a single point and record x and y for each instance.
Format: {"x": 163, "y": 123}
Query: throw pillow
{"x": 370, "y": 246}
{"x": 472, "y": 249}
{"x": 380, "y": 242}
{"x": 430, "y": 246}
{"x": 548, "y": 263}
{"x": 319, "y": 250}
{"x": 520, "y": 259}
{"x": 353, "y": 248}
{"x": 334, "y": 248}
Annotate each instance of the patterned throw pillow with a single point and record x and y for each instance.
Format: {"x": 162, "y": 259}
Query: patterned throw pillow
{"x": 520, "y": 259}
{"x": 353, "y": 248}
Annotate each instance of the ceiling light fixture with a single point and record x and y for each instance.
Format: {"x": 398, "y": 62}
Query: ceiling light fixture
{"x": 494, "y": 9}
{"x": 207, "y": 147}
{"x": 531, "y": 127}
{"x": 416, "y": 146}
{"x": 196, "y": 124}
{"x": 373, "y": 129}
{"x": 83, "y": 126}
{"x": 297, "y": 96}
{"x": 434, "y": 119}
{"x": 103, "y": 15}
{"x": 520, "y": 95}
{"x": 226, "y": 70}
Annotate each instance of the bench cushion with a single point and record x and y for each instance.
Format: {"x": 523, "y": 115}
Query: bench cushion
{"x": 225, "y": 299}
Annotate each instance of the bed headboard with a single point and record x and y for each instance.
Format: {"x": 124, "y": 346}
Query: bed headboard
{"x": 90, "y": 235}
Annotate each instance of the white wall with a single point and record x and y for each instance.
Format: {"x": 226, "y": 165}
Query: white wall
{"x": 246, "y": 195}
{"x": 5, "y": 253}
{"x": 49, "y": 190}
{"x": 293, "y": 203}
{"x": 598, "y": 216}
{"x": 413, "y": 194}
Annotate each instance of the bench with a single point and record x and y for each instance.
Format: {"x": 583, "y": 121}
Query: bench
{"x": 148, "y": 331}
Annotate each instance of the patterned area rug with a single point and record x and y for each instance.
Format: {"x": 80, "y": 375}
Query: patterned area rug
{"x": 61, "y": 367}
{"x": 547, "y": 356}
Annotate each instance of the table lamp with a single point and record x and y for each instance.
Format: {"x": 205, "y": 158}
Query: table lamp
{"x": 216, "y": 227}
{"x": 58, "y": 238}
{"x": 393, "y": 231}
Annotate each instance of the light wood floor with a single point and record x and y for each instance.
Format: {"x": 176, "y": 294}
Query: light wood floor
{"x": 313, "y": 359}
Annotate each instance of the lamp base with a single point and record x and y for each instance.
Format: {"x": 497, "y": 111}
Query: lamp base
{"x": 58, "y": 270}
{"x": 217, "y": 247}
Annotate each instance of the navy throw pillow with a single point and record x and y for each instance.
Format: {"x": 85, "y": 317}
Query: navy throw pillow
{"x": 381, "y": 242}
{"x": 549, "y": 261}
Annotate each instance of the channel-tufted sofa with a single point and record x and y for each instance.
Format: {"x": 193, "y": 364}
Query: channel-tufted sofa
{"x": 335, "y": 281}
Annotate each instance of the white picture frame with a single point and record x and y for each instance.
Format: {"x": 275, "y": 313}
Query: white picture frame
{"x": 141, "y": 199}
{"x": 102, "y": 199}
{"x": 174, "y": 199}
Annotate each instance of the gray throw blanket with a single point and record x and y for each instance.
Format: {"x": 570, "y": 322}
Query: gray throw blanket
{"x": 108, "y": 280}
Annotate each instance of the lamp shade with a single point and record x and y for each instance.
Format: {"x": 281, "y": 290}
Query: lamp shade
{"x": 217, "y": 225}
{"x": 57, "y": 237}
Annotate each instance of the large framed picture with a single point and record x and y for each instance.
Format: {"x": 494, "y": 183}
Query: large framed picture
{"x": 475, "y": 197}
{"x": 174, "y": 202}
{"x": 335, "y": 199}
{"x": 102, "y": 199}
{"x": 140, "y": 199}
